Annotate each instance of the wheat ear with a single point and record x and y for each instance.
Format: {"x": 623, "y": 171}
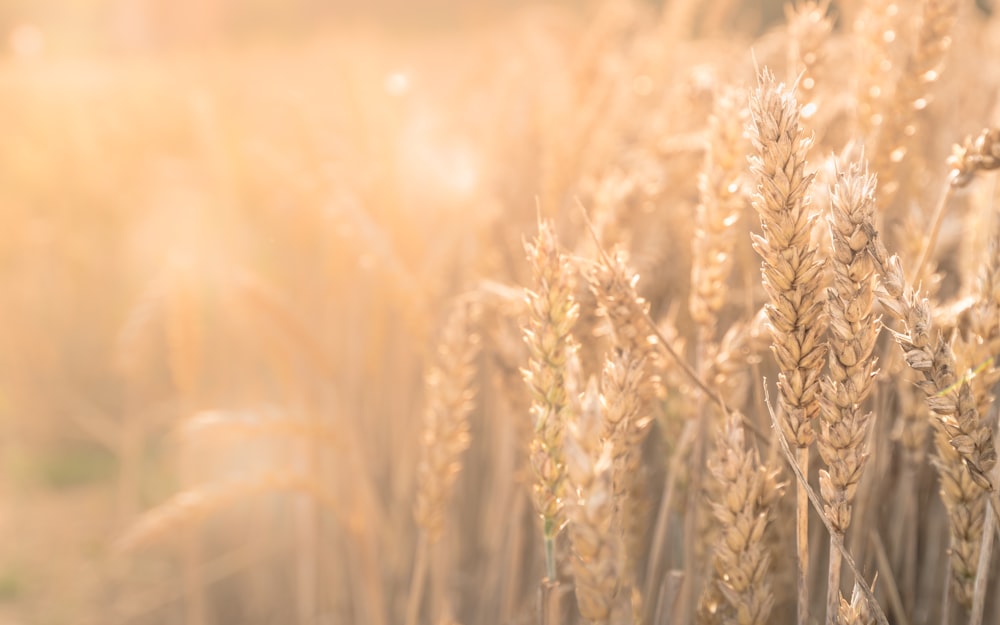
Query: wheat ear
{"x": 614, "y": 285}
{"x": 625, "y": 426}
{"x": 721, "y": 202}
{"x": 855, "y": 611}
{"x": 449, "y": 383}
{"x": 978, "y": 350}
{"x": 973, "y": 156}
{"x": 965, "y": 445}
{"x": 912, "y": 95}
{"x": 809, "y": 28}
{"x": 948, "y": 397}
{"x": 553, "y": 312}
{"x": 740, "y": 591}
{"x": 853, "y": 330}
{"x": 450, "y": 391}
{"x": 874, "y": 31}
{"x": 981, "y": 153}
{"x": 792, "y": 275}
{"x": 591, "y": 509}
{"x": 984, "y": 322}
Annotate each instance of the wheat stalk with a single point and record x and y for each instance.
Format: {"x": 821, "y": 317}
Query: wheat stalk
{"x": 817, "y": 504}
{"x": 553, "y": 312}
{"x": 792, "y": 276}
{"x": 853, "y": 331}
{"x": 184, "y": 329}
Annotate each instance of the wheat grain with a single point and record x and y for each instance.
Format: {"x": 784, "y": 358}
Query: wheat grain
{"x": 855, "y": 611}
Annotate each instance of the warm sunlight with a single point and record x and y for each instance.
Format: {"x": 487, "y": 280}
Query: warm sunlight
{"x": 499, "y": 312}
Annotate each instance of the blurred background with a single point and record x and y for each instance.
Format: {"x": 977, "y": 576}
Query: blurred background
{"x": 57, "y": 27}
{"x": 228, "y": 209}
{"x": 227, "y": 228}
{"x": 145, "y": 25}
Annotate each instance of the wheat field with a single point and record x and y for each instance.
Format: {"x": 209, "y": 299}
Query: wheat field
{"x": 616, "y": 312}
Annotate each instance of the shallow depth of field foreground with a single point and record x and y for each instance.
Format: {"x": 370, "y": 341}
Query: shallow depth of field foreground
{"x": 499, "y": 313}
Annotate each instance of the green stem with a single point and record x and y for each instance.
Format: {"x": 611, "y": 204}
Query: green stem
{"x": 550, "y": 549}
{"x": 417, "y": 580}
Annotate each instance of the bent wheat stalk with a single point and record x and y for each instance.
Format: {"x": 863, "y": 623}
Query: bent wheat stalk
{"x": 964, "y": 442}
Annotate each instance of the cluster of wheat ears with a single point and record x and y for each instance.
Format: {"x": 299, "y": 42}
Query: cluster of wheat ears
{"x": 755, "y": 304}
